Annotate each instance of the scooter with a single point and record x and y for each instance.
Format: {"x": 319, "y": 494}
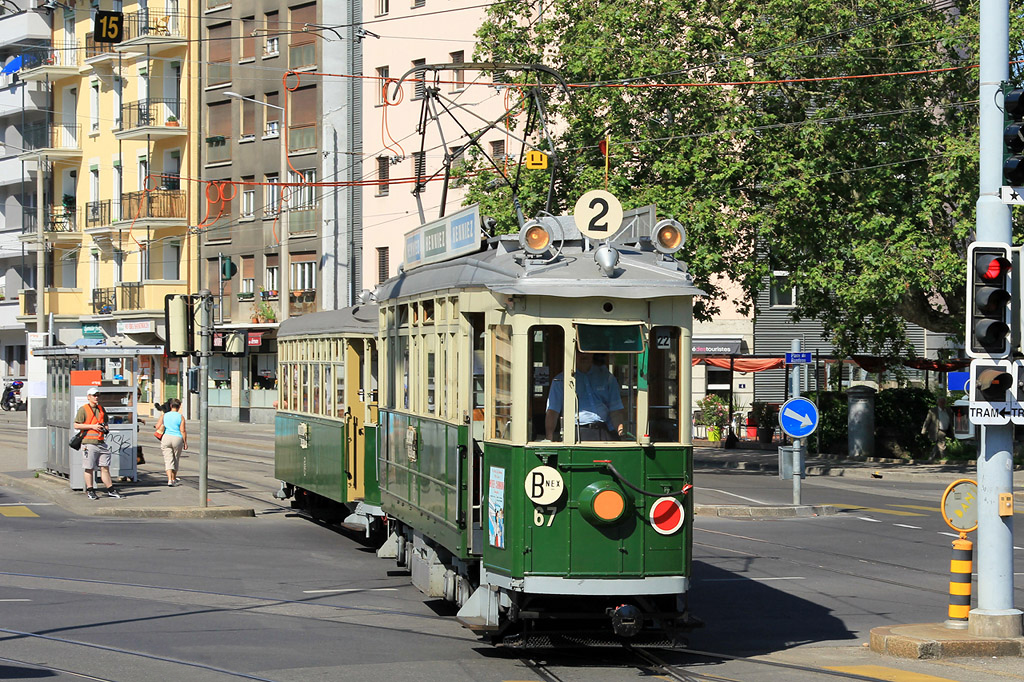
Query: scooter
{"x": 11, "y": 397}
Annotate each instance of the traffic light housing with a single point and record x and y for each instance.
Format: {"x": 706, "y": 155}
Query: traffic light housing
{"x": 178, "y": 325}
{"x": 1013, "y": 137}
{"x": 989, "y": 293}
{"x": 227, "y": 268}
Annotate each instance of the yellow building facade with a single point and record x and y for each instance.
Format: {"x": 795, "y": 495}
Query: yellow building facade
{"x": 110, "y": 233}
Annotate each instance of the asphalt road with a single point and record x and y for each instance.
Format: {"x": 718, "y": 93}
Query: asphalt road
{"x": 282, "y": 598}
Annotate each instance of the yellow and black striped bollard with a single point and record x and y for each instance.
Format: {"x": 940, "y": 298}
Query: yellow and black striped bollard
{"x": 960, "y": 582}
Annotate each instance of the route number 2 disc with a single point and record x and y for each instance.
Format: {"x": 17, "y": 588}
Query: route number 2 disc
{"x": 598, "y": 214}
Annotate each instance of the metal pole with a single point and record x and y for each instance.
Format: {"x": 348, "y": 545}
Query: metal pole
{"x": 798, "y": 443}
{"x": 220, "y": 280}
{"x": 284, "y": 295}
{"x": 995, "y": 615}
{"x": 205, "y": 334}
{"x": 40, "y": 245}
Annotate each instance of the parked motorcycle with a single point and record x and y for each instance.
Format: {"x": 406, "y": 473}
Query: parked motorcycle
{"x": 11, "y": 398}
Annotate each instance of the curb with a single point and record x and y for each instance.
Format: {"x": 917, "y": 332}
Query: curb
{"x": 56, "y": 491}
{"x": 779, "y": 511}
{"x": 928, "y": 641}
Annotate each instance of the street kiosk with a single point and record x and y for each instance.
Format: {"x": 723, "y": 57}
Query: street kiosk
{"x": 71, "y": 371}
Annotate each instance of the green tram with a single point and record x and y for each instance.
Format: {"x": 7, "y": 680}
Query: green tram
{"x": 499, "y": 492}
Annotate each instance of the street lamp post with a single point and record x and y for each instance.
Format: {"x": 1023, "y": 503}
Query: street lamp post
{"x": 283, "y": 268}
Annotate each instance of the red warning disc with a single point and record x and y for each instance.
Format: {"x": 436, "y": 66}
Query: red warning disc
{"x": 667, "y": 515}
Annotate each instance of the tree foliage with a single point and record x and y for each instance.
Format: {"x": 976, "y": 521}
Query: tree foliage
{"x": 862, "y": 188}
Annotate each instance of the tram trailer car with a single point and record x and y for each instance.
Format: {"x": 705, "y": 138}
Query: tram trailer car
{"x": 326, "y": 423}
{"x": 541, "y": 541}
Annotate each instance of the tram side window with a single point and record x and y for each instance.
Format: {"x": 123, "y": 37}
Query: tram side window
{"x": 663, "y": 385}
{"x": 501, "y": 396}
{"x": 547, "y": 355}
{"x": 403, "y": 358}
{"x": 604, "y": 403}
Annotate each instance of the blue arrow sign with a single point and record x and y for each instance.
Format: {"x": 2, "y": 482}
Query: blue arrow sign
{"x": 799, "y": 358}
{"x": 798, "y": 417}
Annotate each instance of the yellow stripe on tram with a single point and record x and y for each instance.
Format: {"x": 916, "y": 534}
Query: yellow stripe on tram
{"x": 877, "y": 510}
{"x": 890, "y": 674}
{"x": 18, "y": 511}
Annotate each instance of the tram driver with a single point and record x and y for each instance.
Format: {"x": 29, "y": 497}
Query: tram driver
{"x": 600, "y": 414}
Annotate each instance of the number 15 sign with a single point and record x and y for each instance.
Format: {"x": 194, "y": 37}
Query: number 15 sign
{"x": 598, "y": 215}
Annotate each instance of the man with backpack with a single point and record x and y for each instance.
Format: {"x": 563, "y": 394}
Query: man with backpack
{"x": 92, "y": 419}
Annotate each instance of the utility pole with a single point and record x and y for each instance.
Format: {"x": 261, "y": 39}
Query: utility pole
{"x": 206, "y": 346}
{"x": 995, "y": 615}
{"x": 798, "y": 443}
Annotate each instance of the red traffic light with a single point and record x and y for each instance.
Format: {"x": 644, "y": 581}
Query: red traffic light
{"x": 991, "y": 268}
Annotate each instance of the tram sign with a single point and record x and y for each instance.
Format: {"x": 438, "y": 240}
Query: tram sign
{"x": 544, "y": 485}
{"x": 667, "y": 515}
{"x": 598, "y": 215}
{"x": 443, "y": 239}
{"x": 798, "y": 417}
{"x": 960, "y": 505}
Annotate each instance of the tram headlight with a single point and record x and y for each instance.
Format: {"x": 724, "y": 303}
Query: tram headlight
{"x": 668, "y": 236}
{"x": 534, "y": 238}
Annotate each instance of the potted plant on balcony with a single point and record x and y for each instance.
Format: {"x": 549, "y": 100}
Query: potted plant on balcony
{"x": 172, "y": 121}
{"x": 69, "y": 203}
{"x": 263, "y": 312}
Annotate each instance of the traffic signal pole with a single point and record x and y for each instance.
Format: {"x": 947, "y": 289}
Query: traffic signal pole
{"x": 995, "y": 615}
{"x": 206, "y": 341}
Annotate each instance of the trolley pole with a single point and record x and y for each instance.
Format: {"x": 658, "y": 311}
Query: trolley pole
{"x": 995, "y": 615}
{"x": 205, "y": 336}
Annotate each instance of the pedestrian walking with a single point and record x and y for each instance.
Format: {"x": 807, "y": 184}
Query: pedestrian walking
{"x": 92, "y": 419}
{"x": 173, "y": 438}
{"x": 936, "y": 427}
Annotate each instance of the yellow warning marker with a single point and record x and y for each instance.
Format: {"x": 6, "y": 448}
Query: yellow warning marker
{"x": 18, "y": 511}
{"x": 891, "y": 674}
{"x": 536, "y": 160}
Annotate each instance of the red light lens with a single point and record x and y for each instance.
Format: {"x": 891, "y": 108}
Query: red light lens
{"x": 997, "y": 267}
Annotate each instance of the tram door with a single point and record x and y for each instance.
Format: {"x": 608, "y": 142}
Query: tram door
{"x": 473, "y": 364}
{"x": 355, "y": 419}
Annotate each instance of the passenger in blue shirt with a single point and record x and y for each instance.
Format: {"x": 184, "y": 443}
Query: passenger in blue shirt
{"x": 600, "y": 414}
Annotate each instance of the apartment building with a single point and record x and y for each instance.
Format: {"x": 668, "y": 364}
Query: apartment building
{"x": 22, "y": 106}
{"x": 109, "y": 234}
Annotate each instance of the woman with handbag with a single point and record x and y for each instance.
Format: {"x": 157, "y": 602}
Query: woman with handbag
{"x": 170, "y": 431}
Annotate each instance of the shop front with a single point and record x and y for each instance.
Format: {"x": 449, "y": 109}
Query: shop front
{"x": 243, "y": 385}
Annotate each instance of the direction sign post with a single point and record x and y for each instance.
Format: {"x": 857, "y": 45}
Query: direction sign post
{"x": 798, "y": 419}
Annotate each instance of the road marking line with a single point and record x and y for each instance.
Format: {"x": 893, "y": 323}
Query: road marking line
{"x": 15, "y": 600}
{"x": 18, "y": 511}
{"x": 916, "y": 506}
{"x": 877, "y": 510}
{"x": 868, "y": 518}
{"x": 903, "y": 525}
{"x": 352, "y": 589}
{"x": 949, "y": 535}
{"x": 760, "y": 580}
{"x": 889, "y": 674}
{"x": 726, "y": 492}
{"x": 26, "y": 504}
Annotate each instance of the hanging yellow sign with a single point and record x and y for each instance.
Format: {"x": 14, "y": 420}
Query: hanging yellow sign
{"x": 536, "y": 160}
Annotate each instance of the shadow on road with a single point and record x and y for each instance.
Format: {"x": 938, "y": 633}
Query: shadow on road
{"x": 17, "y": 672}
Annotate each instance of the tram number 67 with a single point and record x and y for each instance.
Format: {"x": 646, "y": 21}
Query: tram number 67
{"x": 539, "y": 514}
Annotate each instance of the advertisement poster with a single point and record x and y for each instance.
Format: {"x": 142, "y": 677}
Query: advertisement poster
{"x": 496, "y": 508}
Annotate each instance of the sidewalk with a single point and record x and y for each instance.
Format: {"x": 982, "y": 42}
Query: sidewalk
{"x": 149, "y": 496}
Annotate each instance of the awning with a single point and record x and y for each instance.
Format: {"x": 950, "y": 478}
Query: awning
{"x": 716, "y": 345}
{"x": 12, "y": 66}
{"x": 874, "y": 364}
{"x": 743, "y": 365}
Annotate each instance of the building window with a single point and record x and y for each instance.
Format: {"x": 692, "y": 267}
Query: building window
{"x": 172, "y": 259}
{"x": 248, "y": 208}
{"x": 302, "y": 43}
{"x": 219, "y": 69}
{"x": 273, "y": 114}
{"x": 498, "y": 151}
{"x": 419, "y": 87}
{"x": 458, "y": 75}
{"x": 270, "y": 277}
{"x": 303, "y": 192}
{"x": 248, "y": 119}
{"x": 118, "y": 87}
{"x": 383, "y": 175}
{"x": 69, "y": 270}
{"x": 383, "y": 267}
{"x": 303, "y": 275}
{"x": 383, "y": 7}
{"x": 383, "y": 72}
{"x": 248, "y": 39}
{"x": 94, "y": 107}
{"x": 719, "y": 382}
{"x": 782, "y": 294}
{"x": 272, "y": 47}
{"x": 272, "y": 195}
{"x": 416, "y": 4}
{"x": 248, "y": 275}
{"x": 419, "y": 164}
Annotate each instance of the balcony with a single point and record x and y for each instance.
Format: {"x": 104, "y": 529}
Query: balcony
{"x": 97, "y": 54}
{"x": 60, "y": 225}
{"x": 302, "y": 220}
{"x": 28, "y": 301}
{"x": 153, "y": 31}
{"x": 21, "y": 28}
{"x": 52, "y": 140}
{"x": 156, "y": 207}
{"x": 11, "y": 171}
{"x": 51, "y": 63}
{"x": 302, "y": 301}
{"x": 131, "y": 295}
{"x": 301, "y": 138}
{"x": 36, "y": 97}
{"x": 104, "y": 301}
{"x": 151, "y": 119}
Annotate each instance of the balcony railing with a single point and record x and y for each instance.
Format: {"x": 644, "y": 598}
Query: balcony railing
{"x": 104, "y": 301}
{"x": 51, "y": 136}
{"x": 302, "y": 219}
{"x": 149, "y": 112}
{"x": 131, "y": 295}
{"x": 97, "y": 213}
{"x": 302, "y": 301}
{"x": 154, "y": 22}
{"x": 28, "y": 302}
{"x": 61, "y": 219}
{"x": 95, "y": 49}
{"x": 156, "y": 203}
{"x": 60, "y": 54}
{"x": 301, "y": 137}
{"x": 29, "y": 223}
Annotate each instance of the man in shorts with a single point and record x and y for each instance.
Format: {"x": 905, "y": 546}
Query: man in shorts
{"x": 92, "y": 419}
